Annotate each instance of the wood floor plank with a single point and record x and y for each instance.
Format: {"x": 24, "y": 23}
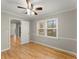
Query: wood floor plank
{"x": 34, "y": 51}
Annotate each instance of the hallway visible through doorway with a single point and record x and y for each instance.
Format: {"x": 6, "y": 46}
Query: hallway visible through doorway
{"x": 15, "y": 33}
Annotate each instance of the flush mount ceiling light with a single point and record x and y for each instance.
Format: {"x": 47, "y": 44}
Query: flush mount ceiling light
{"x": 30, "y": 8}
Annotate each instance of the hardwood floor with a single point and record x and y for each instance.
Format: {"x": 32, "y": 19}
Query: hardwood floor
{"x": 34, "y": 51}
{"x": 15, "y": 41}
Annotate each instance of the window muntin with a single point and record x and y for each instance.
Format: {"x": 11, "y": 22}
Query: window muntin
{"x": 41, "y": 32}
{"x": 51, "y": 32}
{"x": 51, "y": 24}
{"x": 48, "y": 28}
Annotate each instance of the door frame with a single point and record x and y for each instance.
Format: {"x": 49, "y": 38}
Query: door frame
{"x": 10, "y": 29}
{"x": 25, "y": 36}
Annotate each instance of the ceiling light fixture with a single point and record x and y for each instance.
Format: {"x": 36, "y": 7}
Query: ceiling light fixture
{"x": 30, "y": 12}
{"x": 30, "y": 9}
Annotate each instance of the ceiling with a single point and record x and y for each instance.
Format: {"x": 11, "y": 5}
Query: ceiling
{"x": 49, "y": 6}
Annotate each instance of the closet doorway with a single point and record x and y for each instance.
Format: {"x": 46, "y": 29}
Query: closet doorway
{"x": 19, "y": 33}
{"x": 15, "y": 33}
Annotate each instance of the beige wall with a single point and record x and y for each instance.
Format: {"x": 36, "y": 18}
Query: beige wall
{"x": 67, "y": 30}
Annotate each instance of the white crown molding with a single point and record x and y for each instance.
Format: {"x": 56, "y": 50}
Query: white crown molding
{"x": 21, "y": 16}
{"x": 61, "y": 11}
{"x": 44, "y": 16}
{"x": 11, "y": 13}
{"x": 51, "y": 14}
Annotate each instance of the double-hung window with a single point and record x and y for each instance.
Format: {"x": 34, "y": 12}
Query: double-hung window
{"x": 48, "y": 28}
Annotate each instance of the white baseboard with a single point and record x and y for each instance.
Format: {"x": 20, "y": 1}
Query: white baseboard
{"x": 70, "y": 52}
{"x": 5, "y": 49}
{"x": 24, "y": 42}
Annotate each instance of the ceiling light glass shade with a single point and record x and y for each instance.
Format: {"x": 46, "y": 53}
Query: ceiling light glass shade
{"x": 30, "y": 12}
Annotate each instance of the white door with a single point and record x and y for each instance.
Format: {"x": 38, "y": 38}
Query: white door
{"x": 24, "y": 32}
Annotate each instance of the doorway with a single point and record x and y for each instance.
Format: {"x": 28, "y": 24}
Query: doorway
{"x": 15, "y": 33}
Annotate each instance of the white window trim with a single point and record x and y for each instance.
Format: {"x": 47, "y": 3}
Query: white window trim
{"x": 48, "y": 28}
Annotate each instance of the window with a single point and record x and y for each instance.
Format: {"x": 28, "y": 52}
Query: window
{"x": 41, "y": 28}
{"x": 48, "y": 28}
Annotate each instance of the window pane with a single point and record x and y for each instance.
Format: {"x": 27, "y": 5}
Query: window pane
{"x": 51, "y": 24}
{"x": 51, "y": 32}
{"x": 41, "y": 24}
{"x": 41, "y": 32}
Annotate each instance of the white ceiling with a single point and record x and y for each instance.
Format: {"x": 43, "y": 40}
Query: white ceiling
{"x": 48, "y": 6}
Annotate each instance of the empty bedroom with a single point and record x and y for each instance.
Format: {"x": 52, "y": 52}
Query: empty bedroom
{"x": 38, "y": 29}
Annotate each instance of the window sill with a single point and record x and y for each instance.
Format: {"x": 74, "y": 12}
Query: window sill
{"x": 47, "y": 37}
